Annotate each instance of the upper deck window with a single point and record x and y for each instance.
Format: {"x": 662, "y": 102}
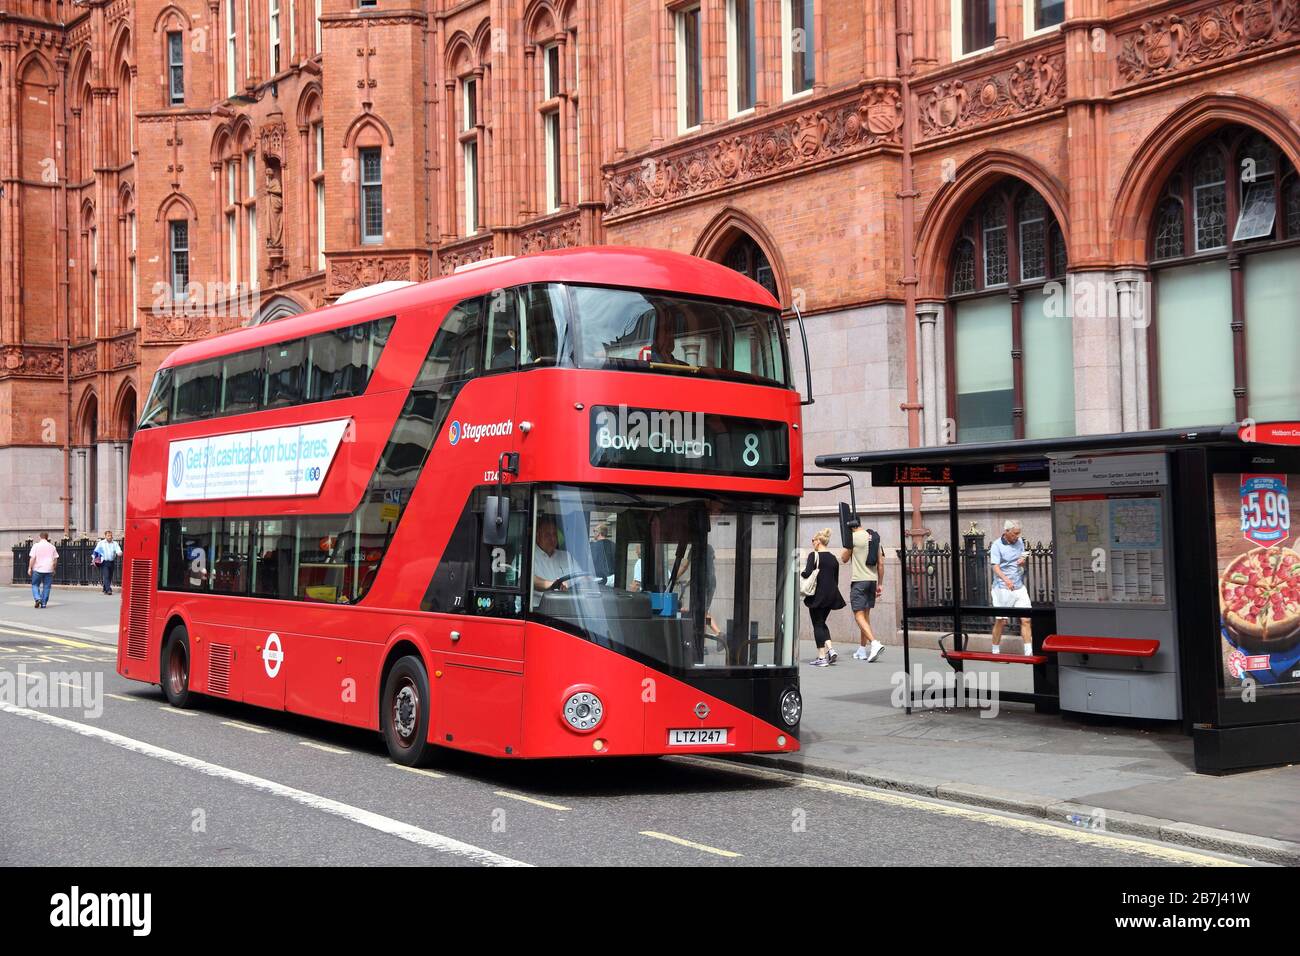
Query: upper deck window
{"x": 333, "y": 364}
{"x": 649, "y": 331}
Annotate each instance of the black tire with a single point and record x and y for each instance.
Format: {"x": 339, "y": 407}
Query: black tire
{"x": 174, "y": 668}
{"x": 404, "y": 713}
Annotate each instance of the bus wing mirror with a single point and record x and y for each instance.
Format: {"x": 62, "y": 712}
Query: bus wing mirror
{"x": 496, "y": 519}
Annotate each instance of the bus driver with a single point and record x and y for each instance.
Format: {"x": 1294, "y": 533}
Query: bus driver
{"x": 550, "y": 562}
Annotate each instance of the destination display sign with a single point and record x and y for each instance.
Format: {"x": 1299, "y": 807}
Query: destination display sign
{"x": 665, "y": 440}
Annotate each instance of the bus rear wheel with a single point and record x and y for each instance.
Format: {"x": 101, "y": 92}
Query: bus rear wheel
{"x": 404, "y": 713}
{"x": 175, "y": 670}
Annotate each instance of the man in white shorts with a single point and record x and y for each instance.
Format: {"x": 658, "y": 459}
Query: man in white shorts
{"x": 1007, "y": 557}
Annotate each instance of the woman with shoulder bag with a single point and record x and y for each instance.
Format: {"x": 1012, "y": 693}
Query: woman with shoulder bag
{"x": 820, "y": 585}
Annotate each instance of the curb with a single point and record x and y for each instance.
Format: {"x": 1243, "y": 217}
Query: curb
{"x": 1119, "y": 822}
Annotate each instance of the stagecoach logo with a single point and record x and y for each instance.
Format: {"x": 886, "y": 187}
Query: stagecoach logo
{"x": 178, "y": 468}
{"x": 475, "y": 433}
{"x": 272, "y": 655}
{"x": 702, "y": 710}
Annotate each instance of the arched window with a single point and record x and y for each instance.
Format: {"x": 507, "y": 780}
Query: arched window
{"x": 1011, "y": 362}
{"x": 1226, "y": 269}
{"x": 746, "y": 257}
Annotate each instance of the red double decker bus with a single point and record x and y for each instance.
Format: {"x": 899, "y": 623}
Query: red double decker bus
{"x": 542, "y": 507}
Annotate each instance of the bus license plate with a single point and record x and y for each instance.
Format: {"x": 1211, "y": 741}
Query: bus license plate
{"x": 697, "y": 737}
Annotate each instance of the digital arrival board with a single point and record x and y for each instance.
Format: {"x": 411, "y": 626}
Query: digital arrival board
{"x": 664, "y": 440}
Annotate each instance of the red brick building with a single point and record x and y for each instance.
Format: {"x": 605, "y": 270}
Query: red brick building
{"x": 998, "y": 217}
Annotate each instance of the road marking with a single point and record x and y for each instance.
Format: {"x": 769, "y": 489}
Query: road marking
{"x": 169, "y": 709}
{"x": 366, "y": 818}
{"x": 328, "y": 750}
{"x": 420, "y": 770}
{"x": 249, "y": 727}
{"x": 80, "y": 645}
{"x": 694, "y": 846}
{"x": 102, "y": 628}
{"x": 129, "y": 700}
{"x": 1107, "y": 840}
{"x": 533, "y": 800}
{"x": 9, "y": 650}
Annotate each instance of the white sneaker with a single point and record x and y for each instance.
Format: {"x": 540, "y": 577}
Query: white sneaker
{"x": 860, "y": 654}
{"x": 876, "y": 650}
{"x": 995, "y": 649}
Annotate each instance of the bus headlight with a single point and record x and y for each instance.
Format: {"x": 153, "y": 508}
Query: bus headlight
{"x": 791, "y": 707}
{"x": 583, "y": 711}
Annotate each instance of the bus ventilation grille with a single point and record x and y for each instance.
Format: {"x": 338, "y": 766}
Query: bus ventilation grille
{"x": 219, "y": 669}
{"x": 137, "y": 632}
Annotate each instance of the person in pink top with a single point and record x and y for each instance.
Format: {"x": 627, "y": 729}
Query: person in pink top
{"x": 41, "y": 562}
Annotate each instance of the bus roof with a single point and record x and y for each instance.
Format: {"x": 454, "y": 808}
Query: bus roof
{"x": 629, "y": 266}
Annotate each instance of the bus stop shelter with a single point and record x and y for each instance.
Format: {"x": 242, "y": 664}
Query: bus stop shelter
{"x": 1177, "y": 577}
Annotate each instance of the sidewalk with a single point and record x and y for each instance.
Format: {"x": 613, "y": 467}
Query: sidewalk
{"x": 1051, "y": 765}
{"x": 1045, "y": 765}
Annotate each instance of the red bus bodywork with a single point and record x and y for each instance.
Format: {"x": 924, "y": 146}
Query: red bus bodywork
{"x": 497, "y": 686}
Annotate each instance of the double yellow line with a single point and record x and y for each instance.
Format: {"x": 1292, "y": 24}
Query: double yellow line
{"x": 66, "y": 642}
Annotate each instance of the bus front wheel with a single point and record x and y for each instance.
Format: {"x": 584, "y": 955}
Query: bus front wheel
{"x": 404, "y": 718}
{"x": 175, "y": 672}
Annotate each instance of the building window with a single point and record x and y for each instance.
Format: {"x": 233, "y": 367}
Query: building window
{"x": 552, "y": 130}
{"x": 797, "y": 47}
{"x": 690, "y": 90}
{"x": 1221, "y": 257}
{"x": 469, "y": 152}
{"x": 1000, "y": 293}
{"x": 551, "y": 71}
{"x": 318, "y": 187}
{"x": 179, "y": 256}
{"x": 250, "y": 202}
{"x": 372, "y": 196}
{"x": 1044, "y": 14}
{"x": 273, "y": 34}
{"x": 232, "y": 220}
{"x": 554, "y": 157}
{"x": 742, "y": 42}
{"x": 367, "y": 3}
{"x": 231, "y": 49}
{"x": 746, "y": 257}
{"x": 974, "y": 25}
{"x": 176, "y": 68}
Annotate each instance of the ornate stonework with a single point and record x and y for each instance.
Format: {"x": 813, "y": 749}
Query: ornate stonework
{"x": 85, "y": 360}
{"x": 122, "y": 351}
{"x": 832, "y": 129}
{"x": 1031, "y": 83}
{"x": 176, "y": 328}
{"x": 1170, "y": 43}
{"x": 461, "y": 254}
{"x": 563, "y": 234}
{"x": 31, "y": 360}
{"x": 352, "y": 273}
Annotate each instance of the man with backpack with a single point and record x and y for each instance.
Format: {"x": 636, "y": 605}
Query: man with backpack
{"x": 868, "y": 579}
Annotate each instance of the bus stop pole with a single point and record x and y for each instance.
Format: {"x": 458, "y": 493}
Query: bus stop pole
{"x": 902, "y": 564}
{"x": 958, "y": 635}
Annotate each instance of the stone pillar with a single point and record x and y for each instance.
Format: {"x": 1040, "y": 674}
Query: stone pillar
{"x": 1131, "y": 298}
{"x": 1098, "y": 385}
{"x": 929, "y": 347}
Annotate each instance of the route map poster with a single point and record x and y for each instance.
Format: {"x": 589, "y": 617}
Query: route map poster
{"x": 1258, "y": 578}
{"x": 1110, "y": 548}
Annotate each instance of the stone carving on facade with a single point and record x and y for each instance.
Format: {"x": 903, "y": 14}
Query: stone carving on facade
{"x": 85, "y": 361}
{"x": 31, "y": 360}
{"x": 345, "y": 274}
{"x": 122, "y": 351}
{"x": 1170, "y": 43}
{"x": 867, "y": 120}
{"x": 1031, "y": 83}
{"x": 272, "y": 139}
{"x": 176, "y": 327}
{"x": 451, "y": 259}
{"x": 556, "y": 235}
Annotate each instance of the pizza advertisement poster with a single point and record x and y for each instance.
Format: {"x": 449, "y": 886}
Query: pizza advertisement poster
{"x": 1258, "y": 578}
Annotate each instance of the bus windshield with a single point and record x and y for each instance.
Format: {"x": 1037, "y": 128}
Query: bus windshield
{"x": 649, "y": 331}
{"x": 687, "y": 581}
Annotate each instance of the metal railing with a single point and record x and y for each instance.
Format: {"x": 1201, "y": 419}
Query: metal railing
{"x": 929, "y": 580}
{"x": 75, "y": 565}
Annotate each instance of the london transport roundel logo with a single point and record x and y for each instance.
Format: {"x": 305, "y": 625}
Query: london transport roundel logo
{"x": 453, "y": 433}
{"x": 272, "y": 655}
{"x": 178, "y": 468}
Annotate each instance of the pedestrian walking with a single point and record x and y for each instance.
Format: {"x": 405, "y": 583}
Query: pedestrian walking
{"x": 825, "y": 598}
{"x": 868, "y": 579}
{"x": 1007, "y": 558}
{"x": 105, "y": 556}
{"x": 41, "y": 562}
